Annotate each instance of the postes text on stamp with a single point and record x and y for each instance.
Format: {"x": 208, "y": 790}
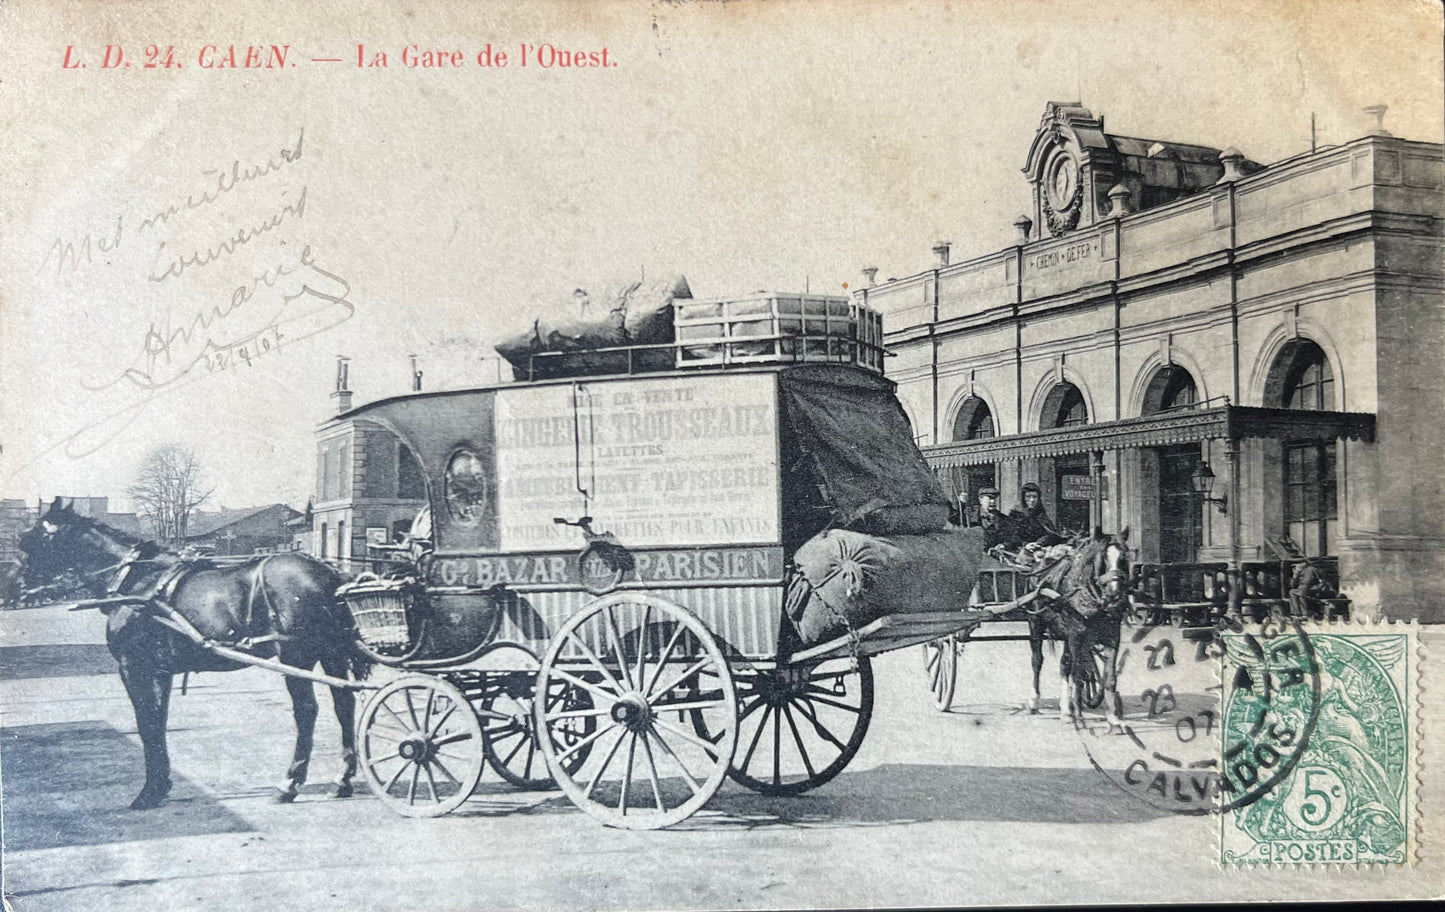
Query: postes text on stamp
{"x": 1348, "y": 797}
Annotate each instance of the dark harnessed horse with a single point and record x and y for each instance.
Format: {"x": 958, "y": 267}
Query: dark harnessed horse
{"x": 1092, "y": 586}
{"x": 281, "y": 606}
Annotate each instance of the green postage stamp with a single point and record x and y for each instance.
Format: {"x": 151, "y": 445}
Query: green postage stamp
{"x": 1320, "y": 731}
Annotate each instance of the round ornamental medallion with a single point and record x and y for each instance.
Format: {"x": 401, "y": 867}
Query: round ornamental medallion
{"x": 1063, "y": 181}
{"x": 599, "y": 571}
{"x": 466, "y": 487}
{"x": 1061, "y": 194}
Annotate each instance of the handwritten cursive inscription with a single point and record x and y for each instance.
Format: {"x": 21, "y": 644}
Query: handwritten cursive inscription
{"x": 227, "y": 180}
{"x": 223, "y": 287}
{"x": 68, "y": 255}
{"x": 175, "y": 267}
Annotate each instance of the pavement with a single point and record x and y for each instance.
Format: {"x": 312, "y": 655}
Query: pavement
{"x": 985, "y": 804}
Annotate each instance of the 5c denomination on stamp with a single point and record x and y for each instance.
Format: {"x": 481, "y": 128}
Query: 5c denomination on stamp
{"x": 1348, "y": 797}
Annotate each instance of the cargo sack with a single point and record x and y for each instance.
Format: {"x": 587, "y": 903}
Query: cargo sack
{"x": 637, "y": 313}
{"x": 848, "y": 579}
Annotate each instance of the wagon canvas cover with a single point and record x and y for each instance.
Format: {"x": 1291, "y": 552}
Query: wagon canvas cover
{"x": 853, "y": 463}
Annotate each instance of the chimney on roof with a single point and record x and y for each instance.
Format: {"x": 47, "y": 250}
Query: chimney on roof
{"x": 1233, "y": 160}
{"x": 1377, "y": 112}
{"x": 342, "y": 394}
{"x": 1024, "y": 225}
{"x": 415, "y": 376}
{"x": 941, "y": 250}
{"x": 870, "y": 276}
{"x": 1119, "y": 201}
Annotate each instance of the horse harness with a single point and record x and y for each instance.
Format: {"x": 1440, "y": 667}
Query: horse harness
{"x": 1086, "y": 598}
{"x": 160, "y": 596}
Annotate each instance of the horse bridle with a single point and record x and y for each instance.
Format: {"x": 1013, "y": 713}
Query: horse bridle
{"x": 1092, "y": 590}
{"x": 121, "y": 568}
{"x": 1112, "y": 575}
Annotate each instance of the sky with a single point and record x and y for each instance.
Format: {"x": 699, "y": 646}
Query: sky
{"x": 185, "y": 250}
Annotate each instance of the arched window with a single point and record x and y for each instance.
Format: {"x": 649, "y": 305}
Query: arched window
{"x": 974, "y": 421}
{"x": 1171, "y": 387}
{"x": 1306, "y": 381}
{"x": 1180, "y": 523}
{"x": 1309, "y": 383}
{"x": 1064, "y": 407}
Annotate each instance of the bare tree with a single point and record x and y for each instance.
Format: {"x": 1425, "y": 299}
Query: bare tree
{"x": 169, "y": 488}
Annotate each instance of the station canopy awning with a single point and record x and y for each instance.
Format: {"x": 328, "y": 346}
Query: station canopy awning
{"x": 1226, "y": 422}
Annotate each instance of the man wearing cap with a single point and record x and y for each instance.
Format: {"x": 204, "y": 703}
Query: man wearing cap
{"x": 1031, "y": 522}
{"x": 995, "y": 525}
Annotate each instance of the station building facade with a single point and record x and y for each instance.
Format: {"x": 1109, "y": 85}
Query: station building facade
{"x": 369, "y": 485}
{"x": 1169, "y": 307}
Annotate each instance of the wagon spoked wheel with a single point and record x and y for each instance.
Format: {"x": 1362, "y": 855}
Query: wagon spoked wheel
{"x": 647, "y": 665}
{"x": 799, "y": 726}
{"x": 421, "y": 746}
{"x": 1092, "y": 680}
{"x": 941, "y": 662}
{"x": 509, "y": 734}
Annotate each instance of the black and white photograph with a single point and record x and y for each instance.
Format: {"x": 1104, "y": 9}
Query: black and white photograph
{"x": 750, "y": 454}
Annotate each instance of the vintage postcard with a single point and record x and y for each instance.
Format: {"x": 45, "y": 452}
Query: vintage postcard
{"x": 635, "y": 455}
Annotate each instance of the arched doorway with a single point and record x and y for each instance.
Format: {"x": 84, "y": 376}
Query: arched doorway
{"x": 1179, "y": 512}
{"x": 1065, "y": 407}
{"x": 974, "y": 421}
{"x": 1302, "y": 378}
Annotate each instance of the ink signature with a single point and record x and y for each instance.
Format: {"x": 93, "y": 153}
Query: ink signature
{"x": 211, "y": 338}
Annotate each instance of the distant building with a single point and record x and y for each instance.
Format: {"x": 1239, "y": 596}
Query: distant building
{"x": 369, "y": 486}
{"x": 253, "y": 530}
{"x": 300, "y": 527}
{"x": 98, "y": 508}
{"x": 16, "y": 516}
{"x": 1174, "y": 316}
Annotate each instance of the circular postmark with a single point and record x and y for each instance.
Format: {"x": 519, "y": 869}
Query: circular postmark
{"x": 1214, "y": 717}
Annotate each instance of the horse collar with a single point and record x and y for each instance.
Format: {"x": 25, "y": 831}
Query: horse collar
{"x": 127, "y": 563}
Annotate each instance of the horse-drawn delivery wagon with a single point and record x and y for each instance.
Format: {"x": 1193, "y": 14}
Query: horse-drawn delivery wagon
{"x": 640, "y": 583}
{"x": 635, "y": 583}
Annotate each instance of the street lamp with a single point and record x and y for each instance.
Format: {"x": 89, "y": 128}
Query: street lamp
{"x": 1203, "y": 482}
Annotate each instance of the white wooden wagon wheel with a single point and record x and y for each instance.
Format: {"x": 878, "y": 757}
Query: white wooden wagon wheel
{"x": 510, "y": 738}
{"x": 941, "y": 663}
{"x": 421, "y": 746}
{"x": 799, "y": 725}
{"x": 647, "y": 665}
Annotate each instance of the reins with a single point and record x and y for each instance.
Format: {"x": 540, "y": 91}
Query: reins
{"x": 1086, "y": 597}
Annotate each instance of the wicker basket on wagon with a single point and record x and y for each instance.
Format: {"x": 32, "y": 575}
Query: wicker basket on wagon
{"x": 385, "y": 610}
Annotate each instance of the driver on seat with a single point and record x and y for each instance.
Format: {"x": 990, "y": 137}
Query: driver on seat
{"x": 1032, "y": 528}
{"x": 997, "y": 530}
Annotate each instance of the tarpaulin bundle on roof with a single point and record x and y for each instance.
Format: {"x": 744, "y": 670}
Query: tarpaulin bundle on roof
{"x": 638, "y": 313}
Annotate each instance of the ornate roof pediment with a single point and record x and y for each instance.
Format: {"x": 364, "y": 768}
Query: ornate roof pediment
{"x": 1073, "y": 165}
